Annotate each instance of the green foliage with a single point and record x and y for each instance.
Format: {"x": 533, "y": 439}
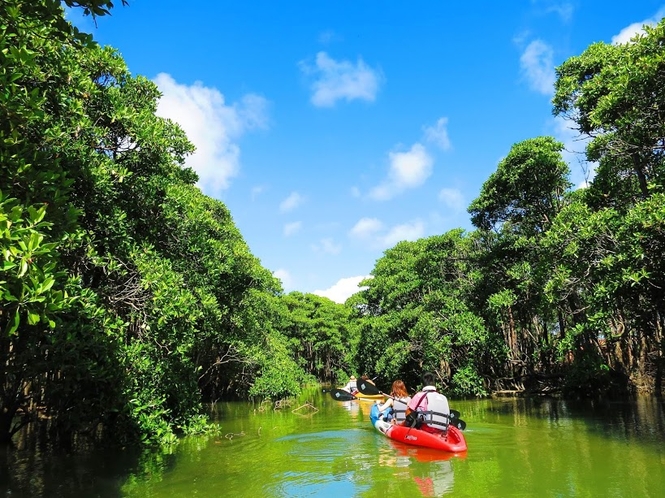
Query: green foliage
{"x": 467, "y": 381}
{"x": 279, "y": 375}
{"x": 319, "y": 334}
{"x": 588, "y": 376}
{"x": 28, "y": 269}
{"x": 414, "y": 315}
{"x": 614, "y": 93}
{"x": 93, "y": 7}
{"x": 516, "y": 208}
{"x": 527, "y": 189}
{"x": 126, "y": 293}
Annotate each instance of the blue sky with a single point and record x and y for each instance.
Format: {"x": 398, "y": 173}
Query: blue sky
{"x": 334, "y": 129}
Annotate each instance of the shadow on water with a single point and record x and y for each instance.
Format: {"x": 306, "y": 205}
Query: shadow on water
{"x": 33, "y": 467}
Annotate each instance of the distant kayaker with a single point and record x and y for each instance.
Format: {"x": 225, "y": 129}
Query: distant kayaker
{"x": 428, "y": 410}
{"x": 352, "y": 385}
{"x": 366, "y": 378}
{"x": 394, "y": 409}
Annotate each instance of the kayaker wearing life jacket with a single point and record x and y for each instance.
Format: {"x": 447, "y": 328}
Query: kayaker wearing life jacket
{"x": 352, "y": 385}
{"x": 428, "y": 410}
{"x": 394, "y": 409}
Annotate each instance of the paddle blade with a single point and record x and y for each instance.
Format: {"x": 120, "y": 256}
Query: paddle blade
{"x": 456, "y": 421}
{"x": 341, "y": 395}
{"x": 460, "y": 424}
{"x": 368, "y": 388}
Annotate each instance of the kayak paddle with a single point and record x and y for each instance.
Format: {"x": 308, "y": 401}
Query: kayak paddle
{"x": 456, "y": 421}
{"x": 341, "y": 395}
{"x": 368, "y": 389}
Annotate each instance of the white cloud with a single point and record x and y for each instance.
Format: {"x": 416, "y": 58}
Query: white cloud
{"x": 291, "y": 202}
{"x": 410, "y": 169}
{"x": 285, "y": 277}
{"x": 374, "y": 233}
{"x": 341, "y": 80}
{"x": 438, "y": 134}
{"x": 212, "y": 126}
{"x": 538, "y": 67}
{"x": 406, "y": 231}
{"x": 629, "y": 32}
{"x": 328, "y": 36}
{"x": 452, "y": 198}
{"x": 343, "y": 289}
{"x": 366, "y": 227}
{"x": 407, "y": 170}
{"x": 257, "y": 190}
{"x": 292, "y": 228}
{"x": 252, "y": 112}
{"x": 564, "y": 10}
{"x": 521, "y": 37}
{"x": 327, "y": 246}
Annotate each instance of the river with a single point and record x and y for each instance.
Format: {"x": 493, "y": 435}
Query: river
{"x": 319, "y": 447}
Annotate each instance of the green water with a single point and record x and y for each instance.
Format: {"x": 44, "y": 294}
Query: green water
{"x": 525, "y": 448}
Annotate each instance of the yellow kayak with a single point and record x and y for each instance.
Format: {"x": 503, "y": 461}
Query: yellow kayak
{"x": 369, "y": 397}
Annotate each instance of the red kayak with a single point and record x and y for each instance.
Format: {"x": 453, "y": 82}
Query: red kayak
{"x": 452, "y": 441}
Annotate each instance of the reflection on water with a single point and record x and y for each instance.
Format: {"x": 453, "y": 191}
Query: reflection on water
{"x": 365, "y": 406}
{"x": 351, "y": 406}
{"x": 434, "y": 479}
{"x": 517, "y": 447}
{"x": 438, "y": 481}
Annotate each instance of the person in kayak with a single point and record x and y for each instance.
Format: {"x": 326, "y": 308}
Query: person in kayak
{"x": 366, "y": 378}
{"x": 428, "y": 410}
{"x": 394, "y": 409}
{"x": 352, "y": 385}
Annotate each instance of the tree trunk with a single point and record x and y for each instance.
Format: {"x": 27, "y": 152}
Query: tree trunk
{"x": 641, "y": 178}
{"x": 6, "y": 418}
{"x": 562, "y": 325}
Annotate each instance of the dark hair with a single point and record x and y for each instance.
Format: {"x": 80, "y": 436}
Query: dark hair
{"x": 428, "y": 379}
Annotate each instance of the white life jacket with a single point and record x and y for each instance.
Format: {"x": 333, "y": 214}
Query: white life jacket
{"x": 437, "y": 414}
{"x": 399, "y": 408}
